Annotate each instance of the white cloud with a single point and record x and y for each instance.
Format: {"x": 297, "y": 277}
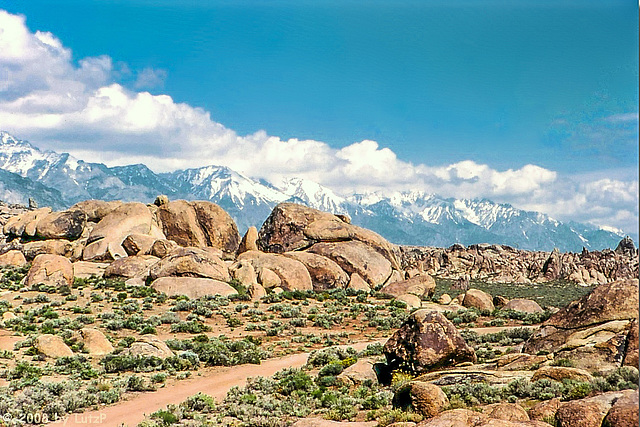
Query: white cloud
{"x": 46, "y": 98}
{"x": 150, "y": 78}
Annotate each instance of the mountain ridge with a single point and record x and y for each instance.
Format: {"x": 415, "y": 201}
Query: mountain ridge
{"x": 407, "y": 217}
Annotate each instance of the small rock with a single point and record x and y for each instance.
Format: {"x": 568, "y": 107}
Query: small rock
{"x": 95, "y": 342}
{"x": 412, "y": 301}
{"x": 52, "y": 346}
{"x": 478, "y": 299}
{"x": 506, "y": 411}
{"x": 248, "y": 242}
{"x": 444, "y": 299}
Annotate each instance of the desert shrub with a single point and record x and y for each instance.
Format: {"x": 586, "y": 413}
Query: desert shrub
{"x": 327, "y": 355}
{"x": 77, "y": 365}
{"x": 375, "y": 349}
{"x": 190, "y": 327}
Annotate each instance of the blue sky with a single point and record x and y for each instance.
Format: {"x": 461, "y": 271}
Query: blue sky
{"x": 503, "y": 84}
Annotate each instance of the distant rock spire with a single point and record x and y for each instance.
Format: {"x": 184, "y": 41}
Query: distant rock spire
{"x": 626, "y": 246}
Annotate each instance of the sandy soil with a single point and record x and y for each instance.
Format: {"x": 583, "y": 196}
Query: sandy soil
{"x": 215, "y": 382}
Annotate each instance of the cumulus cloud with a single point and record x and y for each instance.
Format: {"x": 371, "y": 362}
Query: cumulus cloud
{"x": 85, "y": 109}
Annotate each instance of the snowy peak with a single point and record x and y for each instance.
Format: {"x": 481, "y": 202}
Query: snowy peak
{"x": 220, "y": 182}
{"x": 314, "y": 195}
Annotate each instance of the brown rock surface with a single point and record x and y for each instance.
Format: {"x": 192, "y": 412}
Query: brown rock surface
{"x": 191, "y": 262}
{"x": 292, "y": 227}
{"x": 631, "y": 353}
{"x": 545, "y": 410}
{"x": 519, "y": 361}
{"x": 506, "y": 411}
{"x": 425, "y": 398}
{"x": 86, "y": 269}
{"x": 624, "y": 412}
{"x": 193, "y": 287}
{"x": 356, "y": 257}
{"x": 359, "y": 373}
{"x": 249, "y": 241}
{"x": 12, "y": 258}
{"x": 148, "y": 345}
{"x": 293, "y": 274}
{"x": 357, "y": 283}
{"x": 325, "y": 274}
{"x": 523, "y": 305}
{"x": 589, "y": 412}
{"x": 163, "y": 247}
{"x": 559, "y": 373}
{"x": 95, "y": 342}
{"x": 219, "y": 228}
{"x": 611, "y": 301}
{"x": 422, "y": 286}
{"x": 427, "y": 340}
{"x": 131, "y": 266}
{"x": 25, "y": 223}
{"x": 50, "y": 270}
{"x": 96, "y": 209}
{"x": 105, "y": 240}
{"x": 478, "y": 299}
{"x": 52, "y": 346}
{"x": 54, "y": 247}
{"x": 592, "y": 331}
{"x": 138, "y": 244}
{"x": 67, "y": 225}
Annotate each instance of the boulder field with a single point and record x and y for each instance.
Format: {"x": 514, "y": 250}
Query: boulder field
{"x": 297, "y": 248}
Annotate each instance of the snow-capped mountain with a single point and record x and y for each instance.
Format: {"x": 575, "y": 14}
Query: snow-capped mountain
{"x": 412, "y": 217}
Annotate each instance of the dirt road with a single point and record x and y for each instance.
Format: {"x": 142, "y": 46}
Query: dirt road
{"x": 215, "y": 382}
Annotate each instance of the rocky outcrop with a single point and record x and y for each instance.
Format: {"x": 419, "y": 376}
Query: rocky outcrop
{"x": 593, "y": 331}
{"x": 148, "y": 345}
{"x": 131, "y": 266}
{"x": 67, "y": 225}
{"x": 95, "y": 342}
{"x": 427, "y": 341}
{"x": 292, "y": 227}
{"x": 469, "y": 418}
{"x": 249, "y": 241}
{"x": 624, "y": 412}
{"x": 106, "y": 238}
{"x": 50, "y": 270}
{"x": 95, "y": 210}
{"x": 199, "y": 224}
{"x": 499, "y": 263}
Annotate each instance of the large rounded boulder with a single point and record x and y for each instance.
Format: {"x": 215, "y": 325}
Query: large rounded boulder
{"x": 50, "y": 270}
{"x": 199, "y": 224}
{"x": 62, "y": 225}
{"x": 292, "y": 227}
{"x": 426, "y": 341}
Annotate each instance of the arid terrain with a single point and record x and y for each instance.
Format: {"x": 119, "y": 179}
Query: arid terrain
{"x": 154, "y": 315}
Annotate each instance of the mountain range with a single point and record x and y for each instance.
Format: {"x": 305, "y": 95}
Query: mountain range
{"x": 412, "y": 218}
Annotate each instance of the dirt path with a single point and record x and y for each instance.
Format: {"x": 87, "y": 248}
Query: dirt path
{"x": 215, "y": 382}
